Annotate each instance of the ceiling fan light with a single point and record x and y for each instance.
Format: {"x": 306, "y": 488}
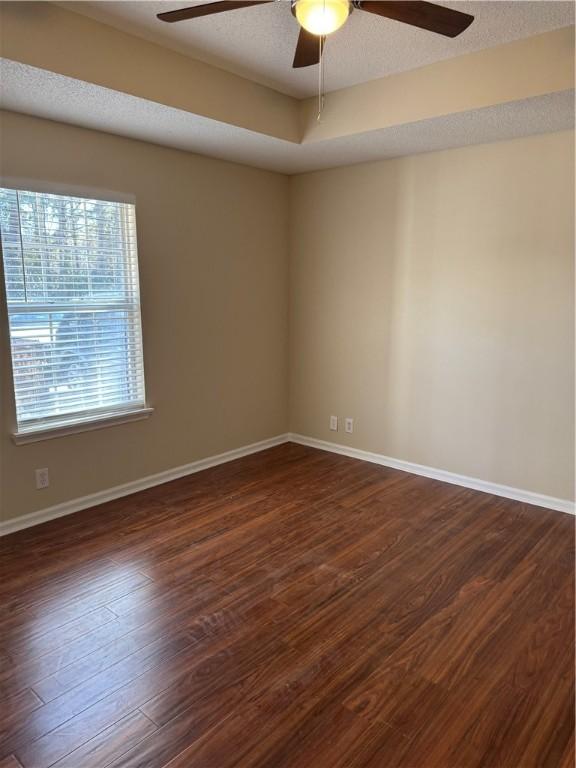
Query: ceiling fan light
{"x": 321, "y": 17}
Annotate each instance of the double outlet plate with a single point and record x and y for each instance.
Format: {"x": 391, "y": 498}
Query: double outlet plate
{"x": 348, "y": 424}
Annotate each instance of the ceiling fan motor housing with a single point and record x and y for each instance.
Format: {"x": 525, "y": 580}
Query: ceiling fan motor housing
{"x": 352, "y": 4}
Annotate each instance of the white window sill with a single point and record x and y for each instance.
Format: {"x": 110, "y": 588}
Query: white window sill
{"x": 60, "y": 429}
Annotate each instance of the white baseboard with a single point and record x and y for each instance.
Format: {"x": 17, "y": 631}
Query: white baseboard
{"x": 75, "y": 505}
{"x": 538, "y": 499}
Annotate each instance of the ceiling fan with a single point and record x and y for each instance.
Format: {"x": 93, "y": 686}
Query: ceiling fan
{"x": 318, "y": 18}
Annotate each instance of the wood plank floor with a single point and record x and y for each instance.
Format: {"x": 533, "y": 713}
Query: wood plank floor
{"x": 292, "y": 609}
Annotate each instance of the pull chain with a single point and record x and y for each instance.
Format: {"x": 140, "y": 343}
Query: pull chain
{"x": 321, "y": 75}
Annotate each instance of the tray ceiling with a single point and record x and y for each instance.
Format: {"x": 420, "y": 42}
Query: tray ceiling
{"x": 45, "y": 94}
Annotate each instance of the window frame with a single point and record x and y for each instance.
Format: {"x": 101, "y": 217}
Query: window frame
{"x": 79, "y": 421}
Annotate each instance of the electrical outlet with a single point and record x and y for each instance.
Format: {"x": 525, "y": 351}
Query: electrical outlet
{"x": 334, "y": 423}
{"x": 42, "y": 478}
{"x": 349, "y": 425}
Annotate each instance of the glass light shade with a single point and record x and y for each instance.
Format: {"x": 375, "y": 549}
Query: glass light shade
{"x": 321, "y": 17}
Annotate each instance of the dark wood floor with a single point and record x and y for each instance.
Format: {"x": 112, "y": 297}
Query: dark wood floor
{"x": 293, "y": 609}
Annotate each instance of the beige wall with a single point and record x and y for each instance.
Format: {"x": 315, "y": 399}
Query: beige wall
{"x": 212, "y": 251}
{"x": 431, "y": 300}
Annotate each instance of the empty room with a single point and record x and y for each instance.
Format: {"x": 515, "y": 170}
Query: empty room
{"x": 287, "y": 384}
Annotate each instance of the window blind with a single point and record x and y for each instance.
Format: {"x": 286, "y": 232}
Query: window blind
{"x": 71, "y": 277}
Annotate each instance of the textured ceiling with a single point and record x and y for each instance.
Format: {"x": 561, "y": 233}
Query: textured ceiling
{"x": 45, "y": 94}
{"x": 259, "y": 42}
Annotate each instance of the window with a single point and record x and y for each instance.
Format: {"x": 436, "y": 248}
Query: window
{"x": 71, "y": 276}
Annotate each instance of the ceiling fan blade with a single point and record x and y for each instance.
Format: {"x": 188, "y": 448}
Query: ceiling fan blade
{"x": 308, "y": 49}
{"x": 207, "y": 9}
{"x": 435, "y": 18}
